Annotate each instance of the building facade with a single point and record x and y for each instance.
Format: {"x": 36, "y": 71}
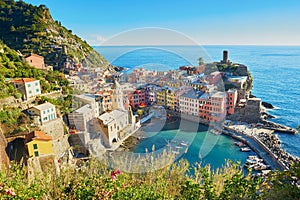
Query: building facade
{"x": 38, "y": 144}
{"x": 44, "y": 112}
{"x": 28, "y": 87}
{"x": 35, "y": 61}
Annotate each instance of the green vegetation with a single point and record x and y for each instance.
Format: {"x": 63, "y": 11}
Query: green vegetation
{"x": 95, "y": 181}
{"x": 14, "y": 120}
{"x": 12, "y": 66}
{"x": 31, "y": 28}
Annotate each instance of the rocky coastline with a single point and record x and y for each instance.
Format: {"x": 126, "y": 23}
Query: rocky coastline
{"x": 273, "y": 143}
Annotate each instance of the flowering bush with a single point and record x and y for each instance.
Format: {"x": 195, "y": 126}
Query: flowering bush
{"x": 95, "y": 181}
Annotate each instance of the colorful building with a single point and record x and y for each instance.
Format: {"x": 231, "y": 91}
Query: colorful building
{"x": 35, "y": 61}
{"x": 44, "y": 112}
{"x": 210, "y": 107}
{"x": 38, "y": 144}
{"x": 161, "y": 97}
{"x": 137, "y": 98}
{"x": 105, "y": 101}
{"x": 231, "y": 100}
{"x": 29, "y": 87}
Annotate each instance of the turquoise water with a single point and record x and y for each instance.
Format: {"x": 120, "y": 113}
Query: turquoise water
{"x": 276, "y": 80}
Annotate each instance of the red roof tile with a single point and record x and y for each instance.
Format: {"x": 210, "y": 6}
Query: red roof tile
{"x": 24, "y": 80}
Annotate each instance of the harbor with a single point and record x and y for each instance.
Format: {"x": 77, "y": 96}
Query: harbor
{"x": 264, "y": 142}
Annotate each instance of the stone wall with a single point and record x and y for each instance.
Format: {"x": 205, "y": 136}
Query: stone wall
{"x": 251, "y": 113}
{"x": 56, "y": 129}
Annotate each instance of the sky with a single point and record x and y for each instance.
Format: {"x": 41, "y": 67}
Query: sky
{"x": 205, "y": 22}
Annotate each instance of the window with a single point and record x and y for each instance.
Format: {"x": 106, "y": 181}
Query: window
{"x": 36, "y": 84}
{"x": 30, "y": 92}
{"x": 35, "y": 146}
{"x": 36, "y": 153}
{"x": 28, "y": 85}
{"x": 37, "y": 90}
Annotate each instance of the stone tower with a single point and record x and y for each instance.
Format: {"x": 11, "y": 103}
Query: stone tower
{"x": 225, "y": 56}
{"x": 117, "y": 96}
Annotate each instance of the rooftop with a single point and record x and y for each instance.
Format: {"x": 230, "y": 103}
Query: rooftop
{"x": 109, "y": 117}
{"x": 192, "y": 94}
{"x": 84, "y": 109}
{"x": 33, "y": 54}
{"x": 44, "y": 106}
{"x": 218, "y": 94}
{"x": 24, "y": 80}
{"x": 37, "y": 135}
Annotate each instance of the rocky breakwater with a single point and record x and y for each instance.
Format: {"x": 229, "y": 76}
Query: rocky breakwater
{"x": 4, "y": 161}
{"x": 272, "y": 142}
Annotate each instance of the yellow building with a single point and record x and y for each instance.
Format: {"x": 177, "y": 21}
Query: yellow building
{"x": 38, "y": 144}
{"x": 161, "y": 97}
{"x": 170, "y": 96}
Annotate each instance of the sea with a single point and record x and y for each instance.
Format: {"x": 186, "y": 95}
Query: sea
{"x": 276, "y": 73}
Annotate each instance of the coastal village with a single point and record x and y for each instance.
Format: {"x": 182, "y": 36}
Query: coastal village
{"x": 109, "y": 107}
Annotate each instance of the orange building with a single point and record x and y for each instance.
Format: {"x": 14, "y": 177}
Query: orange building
{"x": 35, "y": 61}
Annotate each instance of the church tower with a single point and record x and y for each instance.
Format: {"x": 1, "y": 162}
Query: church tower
{"x": 117, "y": 96}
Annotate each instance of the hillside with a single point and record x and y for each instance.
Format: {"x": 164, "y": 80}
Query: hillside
{"x": 13, "y": 66}
{"x": 29, "y": 28}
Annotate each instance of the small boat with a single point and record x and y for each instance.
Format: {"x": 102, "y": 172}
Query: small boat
{"x": 254, "y": 158}
{"x": 250, "y": 161}
{"x": 183, "y": 144}
{"x": 178, "y": 147}
{"x": 240, "y": 144}
{"x": 245, "y": 149}
{"x": 250, "y": 166}
{"x": 261, "y": 166}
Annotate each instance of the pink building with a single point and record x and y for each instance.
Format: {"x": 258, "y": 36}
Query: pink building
{"x": 231, "y": 101}
{"x": 137, "y": 98}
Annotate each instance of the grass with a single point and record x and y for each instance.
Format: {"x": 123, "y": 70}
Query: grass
{"x": 95, "y": 179}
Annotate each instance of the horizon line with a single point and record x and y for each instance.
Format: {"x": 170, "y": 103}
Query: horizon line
{"x": 134, "y": 45}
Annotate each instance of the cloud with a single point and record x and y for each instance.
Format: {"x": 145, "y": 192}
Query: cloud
{"x": 96, "y": 39}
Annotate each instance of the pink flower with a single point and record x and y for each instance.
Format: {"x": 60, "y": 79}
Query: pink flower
{"x": 7, "y": 191}
{"x": 10, "y": 192}
{"x": 114, "y": 174}
{"x": 113, "y": 177}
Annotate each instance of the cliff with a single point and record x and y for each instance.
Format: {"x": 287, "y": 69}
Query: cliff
{"x": 31, "y": 28}
{"x": 4, "y": 161}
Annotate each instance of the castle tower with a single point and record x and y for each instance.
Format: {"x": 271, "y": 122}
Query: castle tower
{"x": 225, "y": 57}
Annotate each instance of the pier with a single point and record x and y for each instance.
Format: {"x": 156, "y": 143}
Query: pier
{"x": 278, "y": 127}
{"x": 264, "y": 143}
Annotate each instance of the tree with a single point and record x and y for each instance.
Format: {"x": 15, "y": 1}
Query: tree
{"x": 12, "y": 29}
{"x": 201, "y": 61}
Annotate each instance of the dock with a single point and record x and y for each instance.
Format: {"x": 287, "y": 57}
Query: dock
{"x": 278, "y": 127}
{"x": 258, "y": 147}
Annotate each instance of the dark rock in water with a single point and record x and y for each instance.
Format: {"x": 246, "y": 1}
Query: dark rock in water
{"x": 267, "y": 105}
{"x": 252, "y": 96}
{"x": 267, "y": 116}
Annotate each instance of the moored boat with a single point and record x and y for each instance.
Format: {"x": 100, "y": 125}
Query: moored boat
{"x": 245, "y": 149}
